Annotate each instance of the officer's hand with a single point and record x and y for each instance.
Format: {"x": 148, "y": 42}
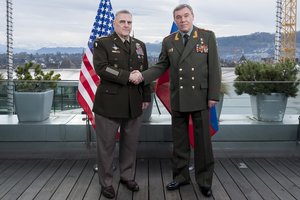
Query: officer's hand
{"x": 145, "y": 105}
{"x": 136, "y": 77}
{"x": 211, "y": 103}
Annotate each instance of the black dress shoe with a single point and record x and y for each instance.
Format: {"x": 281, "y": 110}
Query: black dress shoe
{"x": 174, "y": 185}
{"x": 108, "y": 192}
{"x": 206, "y": 191}
{"x": 131, "y": 185}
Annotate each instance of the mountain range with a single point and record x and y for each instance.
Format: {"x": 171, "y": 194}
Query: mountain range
{"x": 45, "y": 50}
{"x": 253, "y": 46}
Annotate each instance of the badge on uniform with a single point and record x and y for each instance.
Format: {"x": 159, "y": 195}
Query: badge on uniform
{"x": 95, "y": 44}
{"x": 201, "y": 48}
{"x": 139, "y": 50}
{"x": 115, "y": 49}
{"x": 170, "y": 50}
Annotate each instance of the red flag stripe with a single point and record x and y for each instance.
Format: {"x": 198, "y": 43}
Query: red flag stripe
{"x": 89, "y": 71}
{"x": 87, "y": 98}
{"x": 87, "y": 87}
{"x": 86, "y": 108}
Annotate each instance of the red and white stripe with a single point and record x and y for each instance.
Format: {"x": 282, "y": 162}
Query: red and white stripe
{"x": 88, "y": 82}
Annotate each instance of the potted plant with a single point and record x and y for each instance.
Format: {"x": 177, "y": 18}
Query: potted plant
{"x": 34, "y": 94}
{"x": 269, "y": 86}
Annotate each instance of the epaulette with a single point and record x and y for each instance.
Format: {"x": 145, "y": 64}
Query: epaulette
{"x": 137, "y": 40}
{"x": 172, "y": 34}
{"x": 98, "y": 40}
{"x": 202, "y": 29}
{"x": 102, "y": 37}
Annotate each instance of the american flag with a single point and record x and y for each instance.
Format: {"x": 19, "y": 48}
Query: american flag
{"x": 88, "y": 79}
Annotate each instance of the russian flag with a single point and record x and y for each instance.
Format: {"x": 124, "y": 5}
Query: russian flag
{"x": 163, "y": 93}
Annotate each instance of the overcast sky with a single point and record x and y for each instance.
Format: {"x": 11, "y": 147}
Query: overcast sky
{"x": 52, "y": 23}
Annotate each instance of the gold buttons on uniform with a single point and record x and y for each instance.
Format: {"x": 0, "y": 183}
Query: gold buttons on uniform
{"x": 193, "y": 87}
{"x": 193, "y": 78}
{"x": 180, "y": 69}
{"x": 193, "y": 68}
{"x": 181, "y": 87}
{"x": 180, "y": 78}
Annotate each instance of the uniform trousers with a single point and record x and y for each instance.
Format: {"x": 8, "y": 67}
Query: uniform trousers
{"x": 106, "y": 129}
{"x": 203, "y": 154}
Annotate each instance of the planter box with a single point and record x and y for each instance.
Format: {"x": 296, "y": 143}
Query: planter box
{"x": 269, "y": 107}
{"x": 33, "y": 106}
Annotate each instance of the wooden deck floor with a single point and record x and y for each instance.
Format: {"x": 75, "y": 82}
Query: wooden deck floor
{"x": 237, "y": 179}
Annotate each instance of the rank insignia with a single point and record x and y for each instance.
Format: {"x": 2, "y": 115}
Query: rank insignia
{"x": 195, "y": 34}
{"x": 177, "y": 36}
{"x": 170, "y": 50}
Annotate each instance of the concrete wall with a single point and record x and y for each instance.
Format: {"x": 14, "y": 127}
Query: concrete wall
{"x": 62, "y": 136}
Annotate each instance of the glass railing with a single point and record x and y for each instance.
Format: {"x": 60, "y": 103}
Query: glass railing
{"x": 64, "y": 93}
{"x": 245, "y": 98}
{"x": 65, "y": 100}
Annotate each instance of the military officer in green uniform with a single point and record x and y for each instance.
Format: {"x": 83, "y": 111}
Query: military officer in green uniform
{"x": 118, "y": 102}
{"x": 192, "y": 59}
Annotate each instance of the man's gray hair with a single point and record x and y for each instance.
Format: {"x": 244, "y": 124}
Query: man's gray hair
{"x": 181, "y": 6}
{"x": 123, "y": 12}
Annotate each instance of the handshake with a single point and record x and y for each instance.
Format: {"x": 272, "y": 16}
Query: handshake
{"x": 136, "y": 77}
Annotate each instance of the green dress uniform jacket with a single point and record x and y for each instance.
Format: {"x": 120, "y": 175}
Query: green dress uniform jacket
{"x": 194, "y": 70}
{"x": 194, "y": 79}
{"x": 113, "y": 62}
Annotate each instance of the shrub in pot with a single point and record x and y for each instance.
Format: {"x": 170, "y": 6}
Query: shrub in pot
{"x": 34, "y": 93}
{"x": 268, "y": 82}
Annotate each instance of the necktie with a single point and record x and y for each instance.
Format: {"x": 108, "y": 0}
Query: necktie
{"x": 127, "y": 45}
{"x": 186, "y": 39}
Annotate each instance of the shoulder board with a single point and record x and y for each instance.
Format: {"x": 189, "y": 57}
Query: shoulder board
{"x": 205, "y": 30}
{"x": 98, "y": 39}
{"x": 172, "y": 34}
{"x": 136, "y": 40}
{"x": 102, "y": 37}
